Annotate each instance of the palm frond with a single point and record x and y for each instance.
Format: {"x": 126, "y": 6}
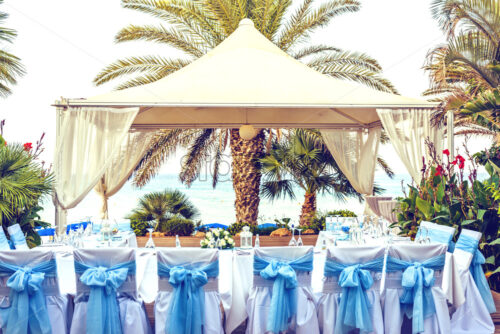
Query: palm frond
{"x": 154, "y": 67}
{"x": 319, "y": 17}
{"x": 313, "y": 50}
{"x": 160, "y": 34}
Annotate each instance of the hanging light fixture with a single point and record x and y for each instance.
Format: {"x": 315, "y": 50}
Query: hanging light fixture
{"x": 247, "y": 131}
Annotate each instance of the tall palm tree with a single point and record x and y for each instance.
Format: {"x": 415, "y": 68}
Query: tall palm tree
{"x": 162, "y": 206}
{"x": 466, "y": 67}
{"x": 10, "y": 65}
{"x": 197, "y": 26}
{"x": 303, "y": 161}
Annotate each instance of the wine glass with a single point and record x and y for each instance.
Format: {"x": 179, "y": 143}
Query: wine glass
{"x": 299, "y": 240}
{"x": 151, "y": 228}
{"x": 293, "y": 242}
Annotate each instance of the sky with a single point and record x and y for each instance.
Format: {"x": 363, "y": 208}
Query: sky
{"x": 65, "y": 43}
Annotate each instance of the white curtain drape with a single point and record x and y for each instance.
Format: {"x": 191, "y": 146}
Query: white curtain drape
{"x": 355, "y": 152}
{"x": 87, "y": 141}
{"x": 131, "y": 152}
{"x": 407, "y": 130}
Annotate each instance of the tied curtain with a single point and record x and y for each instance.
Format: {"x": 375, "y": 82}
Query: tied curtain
{"x": 407, "y": 130}
{"x": 87, "y": 141}
{"x": 116, "y": 175}
{"x": 355, "y": 152}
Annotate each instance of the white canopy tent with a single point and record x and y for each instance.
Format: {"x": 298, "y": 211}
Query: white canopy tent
{"x": 244, "y": 80}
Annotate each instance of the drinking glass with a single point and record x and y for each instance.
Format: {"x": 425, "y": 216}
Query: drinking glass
{"x": 299, "y": 240}
{"x": 293, "y": 242}
{"x": 151, "y": 228}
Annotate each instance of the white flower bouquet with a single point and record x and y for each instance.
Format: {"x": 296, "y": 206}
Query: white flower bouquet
{"x": 217, "y": 238}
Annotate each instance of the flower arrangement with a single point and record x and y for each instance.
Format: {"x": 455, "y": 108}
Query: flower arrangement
{"x": 217, "y": 238}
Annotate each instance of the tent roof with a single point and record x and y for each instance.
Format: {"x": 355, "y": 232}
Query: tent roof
{"x": 248, "y": 79}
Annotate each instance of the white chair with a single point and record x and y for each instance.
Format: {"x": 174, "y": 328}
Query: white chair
{"x": 367, "y": 258}
{"x": 473, "y": 316}
{"x": 58, "y": 307}
{"x": 107, "y": 265}
{"x": 177, "y": 269}
{"x": 259, "y": 307}
{"x": 422, "y": 255}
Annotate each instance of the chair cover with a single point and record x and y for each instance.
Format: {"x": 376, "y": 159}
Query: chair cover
{"x": 102, "y": 274}
{"x": 177, "y": 266}
{"x": 17, "y": 237}
{"x": 474, "y": 314}
{"x": 430, "y": 258}
{"x": 437, "y": 233}
{"x": 54, "y": 309}
{"x": 351, "y": 289}
{"x": 275, "y": 271}
{"x": 4, "y": 243}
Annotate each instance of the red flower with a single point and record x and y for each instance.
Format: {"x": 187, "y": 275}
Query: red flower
{"x": 447, "y": 152}
{"x": 28, "y": 146}
{"x": 461, "y": 165}
{"x": 439, "y": 170}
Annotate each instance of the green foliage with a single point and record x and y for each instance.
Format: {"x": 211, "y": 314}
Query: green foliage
{"x": 170, "y": 209}
{"x": 179, "y": 226}
{"x": 10, "y": 66}
{"x": 492, "y": 154}
{"x": 445, "y": 196}
{"x": 23, "y": 184}
{"x": 236, "y": 228}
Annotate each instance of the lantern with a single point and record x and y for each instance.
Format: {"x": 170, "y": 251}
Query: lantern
{"x": 246, "y": 237}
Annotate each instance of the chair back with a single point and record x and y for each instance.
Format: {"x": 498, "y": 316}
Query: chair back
{"x": 29, "y": 258}
{"x": 106, "y": 257}
{"x": 437, "y": 233}
{"x": 17, "y": 237}
{"x": 466, "y": 248}
{"x": 283, "y": 253}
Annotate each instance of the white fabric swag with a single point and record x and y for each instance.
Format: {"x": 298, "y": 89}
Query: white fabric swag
{"x": 407, "y": 130}
{"x": 355, "y": 152}
{"x": 131, "y": 152}
{"x": 87, "y": 141}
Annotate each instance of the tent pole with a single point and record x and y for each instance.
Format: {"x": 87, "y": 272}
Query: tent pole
{"x": 451, "y": 133}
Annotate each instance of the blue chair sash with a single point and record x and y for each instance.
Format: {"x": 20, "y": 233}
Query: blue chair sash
{"x": 28, "y": 311}
{"x": 103, "y": 312}
{"x": 17, "y": 237}
{"x": 354, "y": 279}
{"x": 417, "y": 281}
{"x": 469, "y": 244}
{"x": 186, "y": 312}
{"x": 284, "y": 295}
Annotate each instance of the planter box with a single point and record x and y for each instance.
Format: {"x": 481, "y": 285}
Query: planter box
{"x": 265, "y": 241}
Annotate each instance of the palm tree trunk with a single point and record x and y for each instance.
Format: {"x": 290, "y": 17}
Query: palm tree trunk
{"x": 246, "y": 175}
{"x": 308, "y": 209}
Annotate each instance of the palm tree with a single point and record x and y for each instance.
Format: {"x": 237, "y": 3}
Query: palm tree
{"x": 466, "y": 67}
{"x": 303, "y": 161}
{"x": 10, "y": 65}
{"x": 197, "y": 26}
{"x": 163, "y": 206}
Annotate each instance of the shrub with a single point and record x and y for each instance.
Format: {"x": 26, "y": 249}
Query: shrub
{"x": 446, "y": 196}
{"x": 179, "y": 226}
{"x": 140, "y": 227}
{"x": 237, "y": 227}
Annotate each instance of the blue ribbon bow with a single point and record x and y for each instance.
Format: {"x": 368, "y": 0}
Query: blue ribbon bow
{"x": 469, "y": 244}
{"x": 28, "y": 311}
{"x": 284, "y": 295}
{"x": 417, "y": 281}
{"x": 103, "y": 312}
{"x": 186, "y": 312}
{"x": 354, "y": 279}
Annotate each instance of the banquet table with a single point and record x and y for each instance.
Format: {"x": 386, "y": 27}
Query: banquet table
{"x": 235, "y": 278}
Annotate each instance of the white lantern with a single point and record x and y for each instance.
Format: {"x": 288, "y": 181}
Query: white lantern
{"x": 247, "y": 131}
{"x": 246, "y": 237}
